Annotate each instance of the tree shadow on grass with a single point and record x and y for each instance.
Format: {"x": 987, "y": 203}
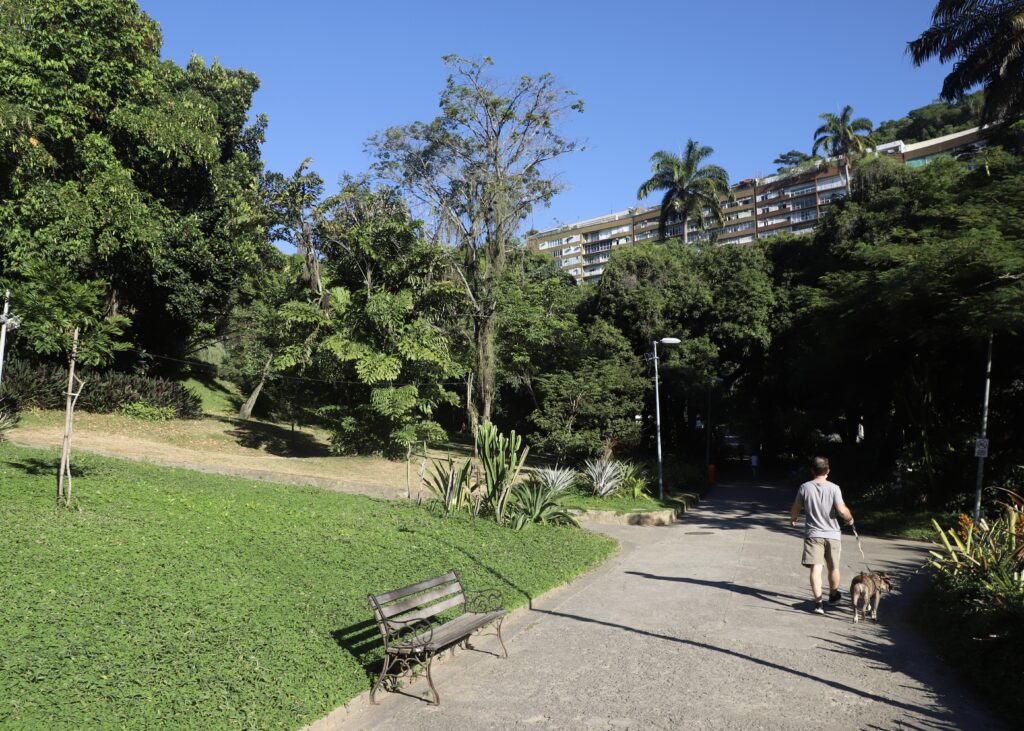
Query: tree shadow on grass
{"x": 280, "y": 441}
{"x": 38, "y": 466}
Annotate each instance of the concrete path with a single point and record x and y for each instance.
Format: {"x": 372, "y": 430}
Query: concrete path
{"x": 702, "y": 625}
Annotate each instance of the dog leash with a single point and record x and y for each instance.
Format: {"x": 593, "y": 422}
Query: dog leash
{"x": 859, "y": 547}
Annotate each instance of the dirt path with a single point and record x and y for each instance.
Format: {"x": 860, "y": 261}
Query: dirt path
{"x": 252, "y": 449}
{"x": 702, "y": 625}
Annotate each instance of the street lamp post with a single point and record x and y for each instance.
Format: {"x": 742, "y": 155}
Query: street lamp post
{"x": 715, "y": 383}
{"x": 657, "y": 411}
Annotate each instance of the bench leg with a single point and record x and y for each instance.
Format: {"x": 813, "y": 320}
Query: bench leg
{"x": 430, "y": 682}
{"x": 380, "y": 679}
{"x": 501, "y": 640}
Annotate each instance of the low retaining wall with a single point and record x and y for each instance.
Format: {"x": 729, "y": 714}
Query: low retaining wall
{"x": 638, "y": 517}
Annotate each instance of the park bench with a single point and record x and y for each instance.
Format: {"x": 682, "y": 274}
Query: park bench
{"x": 412, "y": 636}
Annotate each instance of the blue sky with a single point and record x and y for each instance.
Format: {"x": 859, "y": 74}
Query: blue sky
{"x": 747, "y": 78}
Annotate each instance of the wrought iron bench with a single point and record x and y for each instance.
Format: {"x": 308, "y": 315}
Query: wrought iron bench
{"x": 412, "y": 637}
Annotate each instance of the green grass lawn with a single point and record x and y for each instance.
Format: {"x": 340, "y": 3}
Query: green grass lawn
{"x": 176, "y": 599}
{"x": 627, "y": 503}
{"x": 219, "y": 397}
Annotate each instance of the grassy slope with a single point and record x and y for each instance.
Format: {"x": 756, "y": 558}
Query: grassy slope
{"x": 172, "y": 598}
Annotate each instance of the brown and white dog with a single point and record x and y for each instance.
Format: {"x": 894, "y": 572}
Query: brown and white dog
{"x": 866, "y": 590}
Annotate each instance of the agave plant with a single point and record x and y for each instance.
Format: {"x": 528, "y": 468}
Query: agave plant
{"x": 534, "y": 502}
{"x": 7, "y": 422}
{"x": 453, "y": 485}
{"x": 556, "y": 479}
{"x": 604, "y": 476}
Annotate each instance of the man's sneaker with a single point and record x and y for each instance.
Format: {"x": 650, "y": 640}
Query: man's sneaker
{"x": 834, "y": 596}
{"x": 819, "y": 608}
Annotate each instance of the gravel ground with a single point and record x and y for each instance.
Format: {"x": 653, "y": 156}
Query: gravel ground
{"x": 706, "y": 624}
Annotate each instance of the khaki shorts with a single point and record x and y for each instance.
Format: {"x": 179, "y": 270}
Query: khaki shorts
{"x": 818, "y": 551}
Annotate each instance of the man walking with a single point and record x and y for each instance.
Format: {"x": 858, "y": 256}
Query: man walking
{"x": 823, "y": 501}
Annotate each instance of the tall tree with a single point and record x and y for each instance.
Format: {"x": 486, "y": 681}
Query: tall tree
{"x": 126, "y": 169}
{"x": 986, "y": 38}
{"x": 477, "y": 171}
{"x": 390, "y": 310}
{"x": 692, "y": 191}
{"x": 842, "y": 136}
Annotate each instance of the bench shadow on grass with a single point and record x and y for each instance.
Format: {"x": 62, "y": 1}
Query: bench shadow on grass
{"x": 279, "y": 441}
{"x": 362, "y": 641}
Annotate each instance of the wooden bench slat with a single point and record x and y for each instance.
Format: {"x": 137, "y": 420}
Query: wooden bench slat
{"x": 433, "y": 609}
{"x": 413, "y": 588}
{"x": 453, "y": 631}
{"x": 420, "y": 599}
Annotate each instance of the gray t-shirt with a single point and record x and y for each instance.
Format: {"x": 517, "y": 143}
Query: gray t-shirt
{"x": 820, "y": 500}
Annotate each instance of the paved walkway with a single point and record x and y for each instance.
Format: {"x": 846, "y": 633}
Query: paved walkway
{"x": 702, "y": 625}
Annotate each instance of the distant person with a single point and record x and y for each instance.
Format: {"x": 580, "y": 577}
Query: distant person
{"x": 753, "y": 465}
{"x": 822, "y": 537}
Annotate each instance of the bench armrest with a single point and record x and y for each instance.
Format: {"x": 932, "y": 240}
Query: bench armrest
{"x": 417, "y": 632}
{"x": 483, "y": 601}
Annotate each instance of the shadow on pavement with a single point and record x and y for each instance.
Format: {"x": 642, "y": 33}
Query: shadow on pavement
{"x": 936, "y": 719}
{"x": 761, "y": 594}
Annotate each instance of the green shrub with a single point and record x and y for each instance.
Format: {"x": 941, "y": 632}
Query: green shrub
{"x": 988, "y": 556}
{"x": 106, "y": 392}
{"x": 634, "y": 480}
{"x": 146, "y": 412}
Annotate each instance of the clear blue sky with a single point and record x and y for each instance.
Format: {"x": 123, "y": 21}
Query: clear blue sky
{"x": 745, "y": 77}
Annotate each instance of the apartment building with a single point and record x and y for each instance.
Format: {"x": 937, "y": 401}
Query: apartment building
{"x": 760, "y": 208}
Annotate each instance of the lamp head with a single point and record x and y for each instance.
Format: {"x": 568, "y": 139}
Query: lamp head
{"x": 670, "y": 341}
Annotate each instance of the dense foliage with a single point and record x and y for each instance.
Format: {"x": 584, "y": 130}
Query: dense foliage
{"x": 124, "y": 170}
{"x": 134, "y": 207}
{"x": 886, "y": 313}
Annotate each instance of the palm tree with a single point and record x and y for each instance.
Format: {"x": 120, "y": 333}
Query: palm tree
{"x": 839, "y": 137}
{"x": 987, "y": 40}
{"x": 692, "y": 191}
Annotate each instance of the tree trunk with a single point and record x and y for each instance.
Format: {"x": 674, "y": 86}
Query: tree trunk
{"x": 485, "y": 365}
{"x": 71, "y": 397}
{"x": 250, "y": 403}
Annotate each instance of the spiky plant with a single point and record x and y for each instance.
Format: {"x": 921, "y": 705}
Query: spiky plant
{"x": 604, "y": 476}
{"x": 557, "y": 479}
{"x": 534, "y": 502}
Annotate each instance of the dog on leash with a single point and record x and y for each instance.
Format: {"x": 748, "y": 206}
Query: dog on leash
{"x": 866, "y": 591}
